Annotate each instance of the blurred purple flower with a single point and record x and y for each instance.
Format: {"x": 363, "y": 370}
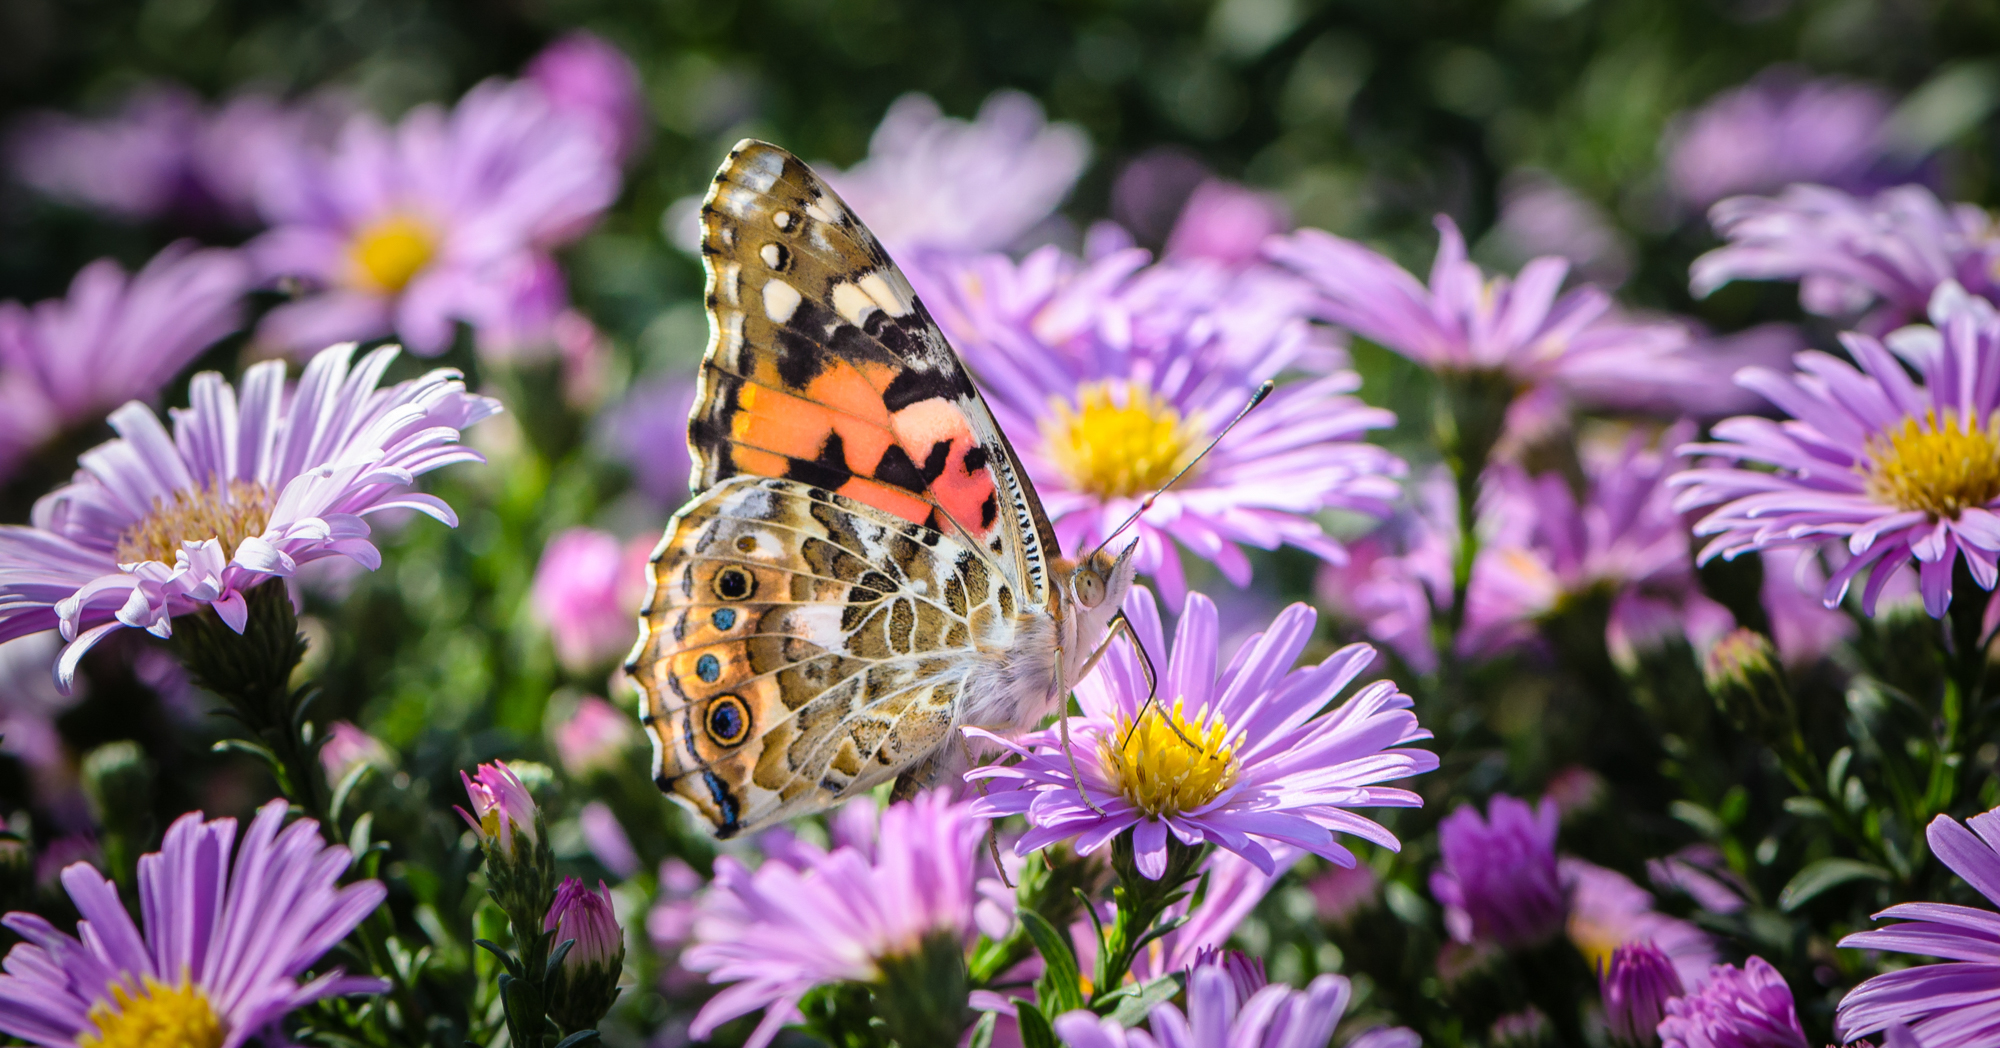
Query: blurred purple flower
{"x": 587, "y": 591}
{"x": 1683, "y": 383}
{"x": 1778, "y": 129}
{"x": 594, "y": 737}
{"x": 1886, "y": 254}
{"x": 114, "y": 338}
{"x": 1272, "y": 771}
{"x": 670, "y": 923}
{"x": 781, "y": 931}
{"x": 934, "y": 183}
{"x": 646, "y": 431}
{"x": 348, "y": 747}
{"x": 1896, "y": 469}
{"x": 585, "y": 77}
{"x": 1397, "y": 573}
{"x": 222, "y": 950}
{"x": 1606, "y": 911}
{"x": 1748, "y": 1007}
{"x": 1637, "y": 984}
{"x": 445, "y": 217}
{"x": 607, "y": 840}
{"x": 1387, "y": 1037}
{"x": 244, "y": 490}
{"x": 29, "y": 705}
{"x": 1702, "y": 873}
{"x": 1802, "y": 627}
{"x": 1497, "y": 879}
{"x": 1276, "y": 1016}
{"x": 1464, "y": 322}
{"x": 166, "y": 152}
{"x": 1540, "y": 215}
{"x": 1115, "y": 375}
{"x": 1948, "y": 1005}
{"x": 1227, "y": 222}
{"x": 1342, "y": 892}
{"x": 1152, "y": 190}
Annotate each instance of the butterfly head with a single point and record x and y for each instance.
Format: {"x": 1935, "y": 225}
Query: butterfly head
{"x": 1099, "y": 582}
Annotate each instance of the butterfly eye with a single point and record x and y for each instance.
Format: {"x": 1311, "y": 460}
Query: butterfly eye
{"x": 1089, "y": 588}
{"x": 728, "y": 720}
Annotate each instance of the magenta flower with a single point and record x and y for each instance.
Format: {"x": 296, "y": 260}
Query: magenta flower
{"x": 1778, "y": 129}
{"x": 347, "y": 748}
{"x": 584, "y": 76}
{"x": 1227, "y": 222}
{"x": 1949, "y": 1005}
{"x": 1896, "y": 469}
{"x": 1748, "y": 1007}
{"x": 1273, "y": 770}
{"x": 114, "y": 338}
{"x": 585, "y": 917}
{"x": 502, "y": 808}
{"x": 244, "y": 490}
{"x": 1275, "y": 1016}
{"x": 1890, "y": 252}
{"x": 223, "y": 947}
{"x": 782, "y": 930}
{"x": 1637, "y": 984}
{"x": 933, "y": 183}
{"x": 1465, "y": 322}
{"x": 1606, "y": 911}
{"x": 1498, "y": 881}
{"x": 1112, "y": 376}
{"x": 607, "y": 840}
{"x": 587, "y": 590}
{"x": 446, "y": 217}
{"x": 594, "y": 737}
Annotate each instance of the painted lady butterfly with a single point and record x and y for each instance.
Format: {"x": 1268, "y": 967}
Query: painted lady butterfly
{"x": 865, "y": 568}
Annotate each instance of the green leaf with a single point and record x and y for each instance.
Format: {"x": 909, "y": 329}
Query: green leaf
{"x": 1132, "y": 1004}
{"x": 1827, "y": 873}
{"x": 1061, "y": 983}
{"x": 348, "y": 782}
{"x": 982, "y": 1031}
{"x": 1035, "y": 1029}
{"x": 581, "y": 1037}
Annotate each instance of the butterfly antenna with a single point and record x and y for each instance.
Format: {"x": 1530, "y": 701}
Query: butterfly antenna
{"x": 1255, "y": 399}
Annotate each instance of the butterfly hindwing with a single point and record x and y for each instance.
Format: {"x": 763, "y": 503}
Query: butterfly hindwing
{"x": 801, "y": 647}
{"x": 823, "y": 367}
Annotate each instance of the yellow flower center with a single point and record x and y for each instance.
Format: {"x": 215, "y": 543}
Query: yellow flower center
{"x": 1119, "y": 439}
{"x": 228, "y": 512}
{"x": 389, "y": 252}
{"x": 158, "y": 1016}
{"x": 1169, "y": 766}
{"x": 1938, "y": 469}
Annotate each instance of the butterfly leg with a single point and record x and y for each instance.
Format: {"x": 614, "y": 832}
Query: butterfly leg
{"x": 1121, "y": 624}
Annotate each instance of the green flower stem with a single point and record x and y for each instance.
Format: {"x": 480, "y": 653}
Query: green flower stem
{"x": 1141, "y": 902}
{"x": 1469, "y": 419}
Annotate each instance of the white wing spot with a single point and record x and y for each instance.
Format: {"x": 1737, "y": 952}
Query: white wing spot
{"x": 782, "y": 219}
{"x": 761, "y": 171}
{"x": 852, "y": 303}
{"x": 728, "y": 281}
{"x": 893, "y": 300}
{"x": 772, "y": 254}
{"x": 781, "y": 300}
{"x": 822, "y": 213}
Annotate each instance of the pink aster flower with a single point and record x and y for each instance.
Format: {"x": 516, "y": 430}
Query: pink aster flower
{"x": 1897, "y": 469}
{"x": 1948, "y": 1005}
{"x": 1636, "y": 984}
{"x": 1465, "y": 322}
{"x": 1607, "y": 910}
{"x": 1276, "y": 768}
{"x": 223, "y": 948}
{"x": 1747, "y": 1007}
{"x": 502, "y": 808}
{"x": 934, "y": 183}
{"x": 584, "y": 76}
{"x": 114, "y": 338}
{"x": 594, "y": 737}
{"x": 1227, "y": 222}
{"x": 347, "y": 747}
{"x": 1778, "y": 129}
{"x": 1220, "y": 1016}
{"x": 777, "y": 933}
{"x": 587, "y": 591}
{"x": 1540, "y": 215}
{"x": 1113, "y": 375}
{"x": 1885, "y": 254}
{"x": 245, "y": 489}
{"x": 446, "y": 217}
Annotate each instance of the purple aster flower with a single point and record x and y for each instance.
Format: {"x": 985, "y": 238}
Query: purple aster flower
{"x": 1607, "y": 910}
{"x": 223, "y": 947}
{"x": 1748, "y": 1007}
{"x": 933, "y": 183}
{"x": 1227, "y": 222}
{"x": 1387, "y": 1037}
{"x": 777, "y": 933}
{"x": 1465, "y": 322}
{"x": 1498, "y": 880}
{"x": 584, "y": 591}
{"x": 1637, "y": 984}
{"x": 1702, "y": 873}
{"x": 584, "y": 76}
{"x": 585, "y": 985}
{"x": 1896, "y": 469}
{"x": 646, "y": 431}
{"x": 502, "y": 809}
{"x": 1540, "y": 215}
{"x": 445, "y": 217}
{"x": 1397, "y": 573}
{"x": 1890, "y": 252}
{"x": 1949, "y": 1005}
{"x": 1152, "y": 190}
{"x": 114, "y": 338}
{"x": 1778, "y": 129}
{"x": 670, "y": 923}
{"x": 1276, "y": 1016}
{"x": 245, "y": 489}
{"x": 1272, "y": 769}
{"x": 1112, "y": 376}
{"x": 1803, "y": 628}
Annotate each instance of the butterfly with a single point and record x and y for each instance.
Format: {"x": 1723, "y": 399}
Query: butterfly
{"x": 865, "y": 568}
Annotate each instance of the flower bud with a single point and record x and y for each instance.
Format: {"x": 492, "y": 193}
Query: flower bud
{"x": 118, "y": 781}
{"x": 1499, "y": 881}
{"x": 1525, "y": 1029}
{"x": 1246, "y": 973}
{"x": 1637, "y": 986}
{"x": 1745, "y": 679}
{"x": 584, "y": 986}
{"x": 519, "y": 865}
